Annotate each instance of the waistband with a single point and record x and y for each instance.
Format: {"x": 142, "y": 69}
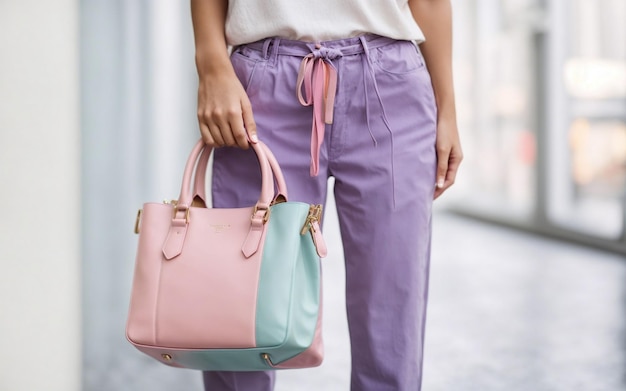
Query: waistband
{"x": 348, "y": 46}
{"x": 317, "y": 80}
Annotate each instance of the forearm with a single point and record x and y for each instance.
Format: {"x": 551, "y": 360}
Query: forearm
{"x": 435, "y": 19}
{"x": 209, "y": 18}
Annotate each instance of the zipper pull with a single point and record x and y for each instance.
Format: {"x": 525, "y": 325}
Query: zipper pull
{"x": 307, "y": 226}
{"x": 315, "y": 215}
{"x": 318, "y": 240}
{"x": 312, "y": 225}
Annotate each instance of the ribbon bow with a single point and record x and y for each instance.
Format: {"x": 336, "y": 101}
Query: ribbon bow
{"x": 318, "y": 75}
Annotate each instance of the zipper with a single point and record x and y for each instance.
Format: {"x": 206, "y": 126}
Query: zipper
{"x": 315, "y": 215}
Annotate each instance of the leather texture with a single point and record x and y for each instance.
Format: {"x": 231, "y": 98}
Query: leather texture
{"x": 219, "y": 289}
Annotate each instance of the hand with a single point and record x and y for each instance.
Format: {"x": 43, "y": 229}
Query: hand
{"x": 224, "y": 111}
{"x": 449, "y": 154}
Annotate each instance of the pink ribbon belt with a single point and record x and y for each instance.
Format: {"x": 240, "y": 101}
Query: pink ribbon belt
{"x": 319, "y": 77}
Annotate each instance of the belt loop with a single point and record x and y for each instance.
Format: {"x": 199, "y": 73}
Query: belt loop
{"x": 266, "y": 46}
{"x": 273, "y": 52}
{"x": 366, "y": 48}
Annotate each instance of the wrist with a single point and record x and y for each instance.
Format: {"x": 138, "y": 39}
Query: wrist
{"x": 212, "y": 63}
{"x": 446, "y": 112}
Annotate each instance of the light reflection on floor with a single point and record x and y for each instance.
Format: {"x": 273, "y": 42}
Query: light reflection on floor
{"x": 512, "y": 311}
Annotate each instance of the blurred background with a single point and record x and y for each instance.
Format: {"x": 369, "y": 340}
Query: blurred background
{"x": 528, "y": 275}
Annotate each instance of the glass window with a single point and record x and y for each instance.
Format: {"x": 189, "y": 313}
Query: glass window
{"x": 587, "y": 150}
{"x": 541, "y": 86}
{"x": 495, "y": 87}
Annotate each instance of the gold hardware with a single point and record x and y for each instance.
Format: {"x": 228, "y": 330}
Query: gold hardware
{"x": 186, "y": 214}
{"x": 267, "y": 359}
{"x": 266, "y": 217}
{"x": 166, "y": 357}
{"x": 315, "y": 214}
{"x": 174, "y": 203}
{"x": 137, "y": 220}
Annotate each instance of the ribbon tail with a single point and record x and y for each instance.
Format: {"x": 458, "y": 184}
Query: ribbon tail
{"x": 317, "y": 131}
{"x": 330, "y": 93}
{"x": 304, "y": 78}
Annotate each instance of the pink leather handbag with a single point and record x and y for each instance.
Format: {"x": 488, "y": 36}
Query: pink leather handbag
{"x": 229, "y": 289}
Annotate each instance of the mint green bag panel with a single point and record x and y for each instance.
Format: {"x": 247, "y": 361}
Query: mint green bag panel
{"x": 288, "y": 324}
{"x": 284, "y": 240}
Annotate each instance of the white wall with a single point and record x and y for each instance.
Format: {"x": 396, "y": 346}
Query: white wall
{"x": 39, "y": 196}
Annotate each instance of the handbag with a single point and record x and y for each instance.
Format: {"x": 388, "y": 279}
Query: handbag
{"x": 236, "y": 289}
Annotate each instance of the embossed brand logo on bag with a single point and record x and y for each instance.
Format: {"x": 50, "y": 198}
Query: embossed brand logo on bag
{"x": 219, "y": 228}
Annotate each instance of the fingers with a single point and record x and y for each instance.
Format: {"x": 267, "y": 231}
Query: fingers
{"x": 443, "y": 155}
{"x": 225, "y": 113}
{"x": 248, "y": 121}
{"x": 243, "y": 126}
{"x": 222, "y": 121}
{"x": 448, "y": 162}
{"x": 211, "y": 133}
{"x": 220, "y": 129}
{"x": 238, "y": 131}
{"x": 206, "y": 135}
{"x": 453, "y": 167}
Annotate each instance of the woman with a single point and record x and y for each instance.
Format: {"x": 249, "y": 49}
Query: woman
{"x": 339, "y": 87}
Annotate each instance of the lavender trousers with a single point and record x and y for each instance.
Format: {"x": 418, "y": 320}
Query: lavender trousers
{"x": 380, "y": 148}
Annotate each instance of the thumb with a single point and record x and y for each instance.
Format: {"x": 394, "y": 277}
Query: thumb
{"x": 442, "y": 167}
{"x": 248, "y": 123}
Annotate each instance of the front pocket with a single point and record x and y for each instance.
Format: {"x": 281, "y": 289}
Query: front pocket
{"x": 398, "y": 58}
{"x": 248, "y": 64}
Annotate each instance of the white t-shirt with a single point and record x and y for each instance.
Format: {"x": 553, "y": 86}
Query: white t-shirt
{"x": 319, "y": 20}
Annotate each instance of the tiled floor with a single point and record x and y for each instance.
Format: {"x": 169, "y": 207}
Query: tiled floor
{"x": 508, "y": 312}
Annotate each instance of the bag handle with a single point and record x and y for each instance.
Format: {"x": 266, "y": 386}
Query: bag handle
{"x": 267, "y": 176}
{"x": 175, "y": 239}
{"x": 200, "y": 176}
{"x": 199, "y": 179}
{"x": 278, "y": 174}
